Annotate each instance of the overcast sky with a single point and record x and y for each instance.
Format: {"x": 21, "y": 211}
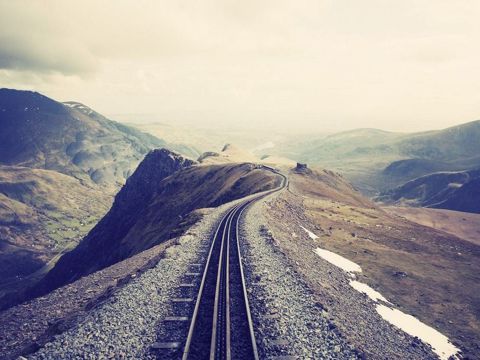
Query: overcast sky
{"x": 320, "y": 65}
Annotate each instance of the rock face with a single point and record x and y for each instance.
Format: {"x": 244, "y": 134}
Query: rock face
{"x": 102, "y": 246}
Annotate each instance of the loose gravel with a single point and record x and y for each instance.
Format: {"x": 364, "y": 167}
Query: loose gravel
{"x": 125, "y": 326}
{"x": 288, "y": 321}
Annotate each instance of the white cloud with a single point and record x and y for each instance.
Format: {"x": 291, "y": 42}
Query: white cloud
{"x": 390, "y": 64}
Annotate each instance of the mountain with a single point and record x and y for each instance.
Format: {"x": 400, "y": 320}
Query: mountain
{"x": 156, "y": 204}
{"x": 60, "y": 165}
{"x": 42, "y": 214}
{"x": 377, "y": 161}
{"x": 445, "y": 190}
{"x": 70, "y": 138}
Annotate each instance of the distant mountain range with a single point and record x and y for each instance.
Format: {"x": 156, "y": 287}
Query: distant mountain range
{"x": 377, "y": 162}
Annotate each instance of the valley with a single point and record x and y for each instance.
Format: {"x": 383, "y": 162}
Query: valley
{"x": 381, "y": 163}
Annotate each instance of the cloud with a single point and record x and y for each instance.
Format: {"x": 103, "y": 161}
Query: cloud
{"x": 251, "y": 60}
{"x": 41, "y": 54}
{"x": 32, "y": 38}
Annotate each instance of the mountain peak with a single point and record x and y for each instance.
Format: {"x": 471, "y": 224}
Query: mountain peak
{"x": 80, "y": 107}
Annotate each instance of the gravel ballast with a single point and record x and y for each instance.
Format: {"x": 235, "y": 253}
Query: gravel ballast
{"x": 281, "y": 256}
{"x": 126, "y": 325}
{"x": 288, "y": 321}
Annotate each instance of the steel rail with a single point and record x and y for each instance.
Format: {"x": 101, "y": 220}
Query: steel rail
{"x": 221, "y": 311}
{"x": 202, "y": 285}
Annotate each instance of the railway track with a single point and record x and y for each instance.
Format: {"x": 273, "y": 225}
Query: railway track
{"x": 221, "y": 326}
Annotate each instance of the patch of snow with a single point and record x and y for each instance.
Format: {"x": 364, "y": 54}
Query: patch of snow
{"x": 337, "y": 260}
{"x": 440, "y": 343}
{"x": 311, "y": 234}
{"x": 364, "y": 288}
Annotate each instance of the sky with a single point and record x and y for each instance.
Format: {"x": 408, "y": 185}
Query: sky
{"x": 289, "y": 64}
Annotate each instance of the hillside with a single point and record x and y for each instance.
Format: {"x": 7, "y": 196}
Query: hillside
{"x": 70, "y": 138}
{"x": 377, "y": 161}
{"x": 229, "y": 154}
{"x": 427, "y": 273}
{"x": 60, "y": 165}
{"x": 42, "y": 214}
{"x": 155, "y": 205}
{"x": 445, "y": 190}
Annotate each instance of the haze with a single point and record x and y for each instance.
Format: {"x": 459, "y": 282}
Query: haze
{"x": 309, "y": 65}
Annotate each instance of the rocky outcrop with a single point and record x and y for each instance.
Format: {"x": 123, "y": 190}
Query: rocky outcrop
{"x": 103, "y": 246}
{"x": 302, "y": 169}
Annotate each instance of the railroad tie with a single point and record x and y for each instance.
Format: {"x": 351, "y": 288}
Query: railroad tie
{"x": 192, "y": 274}
{"x": 176, "y": 318}
{"x": 182, "y": 300}
{"x": 187, "y": 285}
{"x": 165, "y": 345}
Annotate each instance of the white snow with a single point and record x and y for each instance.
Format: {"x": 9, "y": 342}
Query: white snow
{"x": 311, "y": 234}
{"x": 440, "y": 343}
{"x": 337, "y": 260}
{"x": 364, "y": 288}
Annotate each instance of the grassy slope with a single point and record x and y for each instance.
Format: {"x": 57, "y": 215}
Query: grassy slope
{"x": 461, "y": 224}
{"x": 442, "y": 285}
{"x": 41, "y": 213}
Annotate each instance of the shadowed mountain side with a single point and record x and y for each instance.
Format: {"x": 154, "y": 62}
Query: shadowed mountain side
{"x": 70, "y": 138}
{"x": 156, "y": 205}
{"x": 445, "y": 190}
{"x": 466, "y": 198}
